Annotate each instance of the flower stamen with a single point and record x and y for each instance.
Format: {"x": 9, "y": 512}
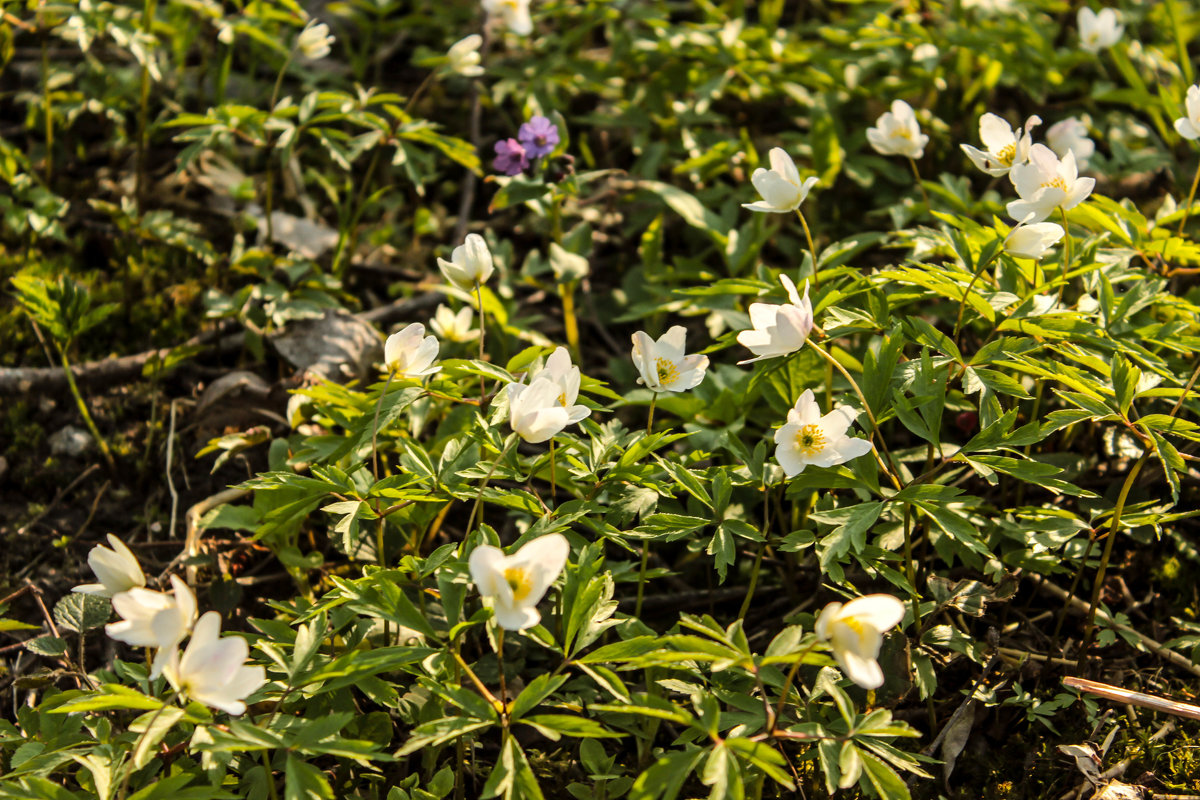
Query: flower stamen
{"x": 667, "y": 371}
{"x": 811, "y": 440}
{"x": 518, "y": 579}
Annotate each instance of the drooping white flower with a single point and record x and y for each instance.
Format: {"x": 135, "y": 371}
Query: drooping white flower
{"x": 662, "y": 364}
{"x": 513, "y": 13}
{"x": 809, "y": 438}
{"x": 1045, "y": 183}
{"x": 410, "y": 353}
{"x": 213, "y": 670}
{"x": 463, "y": 56}
{"x": 315, "y": 41}
{"x": 778, "y": 329}
{"x": 1004, "y": 147}
{"x": 1071, "y": 136}
{"x": 1188, "y": 126}
{"x": 780, "y": 186}
{"x": 1033, "y": 241}
{"x": 118, "y": 570}
{"x": 154, "y": 619}
{"x": 517, "y": 583}
{"x": 454, "y": 327}
{"x": 855, "y": 632}
{"x": 1098, "y": 31}
{"x": 566, "y": 376}
{"x": 896, "y": 132}
{"x": 534, "y": 412}
{"x": 470, "y": 263}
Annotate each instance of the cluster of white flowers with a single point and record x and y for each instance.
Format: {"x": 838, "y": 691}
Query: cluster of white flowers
{"x": 212, "y": 670}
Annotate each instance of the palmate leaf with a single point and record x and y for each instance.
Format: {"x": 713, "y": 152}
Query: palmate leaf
{"x": 80, "y": 612}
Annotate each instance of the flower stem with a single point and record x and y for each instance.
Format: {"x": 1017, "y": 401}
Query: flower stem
{"x": 553, "y": 482}
{"x": 83, "y": 409}
{"x": 269, "y": 178}
{"x": 1066, "y": 260}
{"x": 758, "y": 559}
{"x": 650, "y": 416}
{"x": 866, "y": 408}
{"x": 482, "y": 335}
{"x": 375, "y": 427}
{"x": 570, "y": 323}
{"x": 811, "y": 248}
{"x": 791, "y": 677}
{"x": 1191, "y": 196}
{"x": 500, "y": 667}
{"x": 139, "y": 191}
{"x": 478, "y": 509}
{"x": 1114, "y": 527}
{"x": 962, "y": 303}
{"x": 920, "y": 184}
{"x": 637, "y": 608}
{"x": 138, "y": 746}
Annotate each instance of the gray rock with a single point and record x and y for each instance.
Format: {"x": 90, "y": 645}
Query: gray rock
{"x": 70, "y": 441}
{"x": 338, "y": 346}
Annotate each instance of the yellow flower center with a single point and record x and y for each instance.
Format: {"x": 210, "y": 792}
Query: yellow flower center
{"x": 562, "y": 399}
{"x": 667, "y": 371}
{"x": 520, "y": 581}
{"x": 1007, "y": 154}
{"x": 810, "y": 439}
{"x": 1057, "y": 182}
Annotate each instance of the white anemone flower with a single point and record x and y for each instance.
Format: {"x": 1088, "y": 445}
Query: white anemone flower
{"x": 463, "y": 56}
{"x": 517, "y": 583}
{"x": 780, "y": 186}
{"x": 470, "y": 263}
{"x": 454, "y": 327}
{"x": 1034, "y": 240}
{"x": 118, "y": 570}
{"x": 896, "y": 132}
{"x": 662, "y": 364}
{"x": 809, "y": 438}
{"x": 513, "y": 13}
{"x": 315, "y": 41}
{"x": 213, "y": 670}
{"x": 1098, "y": 31}
{"x": 778, "y": 329}
{"x": 1071, "y": 136}
{"x": 855, "y": 632}
{"x": 1005, "y": 148}
{"x": 154, "y": 619}
{"x": 1045, "y": 183}
{"x": 1188, "y": 126}
{"x": 410, "y": 353}
{"x": 534, "y": 411}
{"x": 562, "y": 373}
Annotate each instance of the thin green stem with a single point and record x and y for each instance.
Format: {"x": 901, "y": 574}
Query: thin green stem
{"x": 482, "y": 335}
{"x": 269, "y": 193}
{"x": 650, "y": 416}
{"x": 791, "y": 677}
{"x": 272, "y": 792}
{"x": 570, "y": 323}
{"x": 47, "y": 108}
{"x": 1114, "y": 527}
{"x": 553, "y": 480}
{"x": 500, "y": 668}
{"x": 758, "y": 558}
{"x": 136, "y": 747}
{"x": 637, "y": 608}
{"x": 920, "y": 184}
{"x": 812, "y": 249}
{"x": 1066, "y": 261}
{"x": 1187, "y": 207}
{"x": 139, "y": 193}
{"x": 375, "y": 427}
{"x": 477, "y": 510}
{"x": 83, "y": 410}
{"x": 962, "y": 303}
{"x": 875, "y": 433}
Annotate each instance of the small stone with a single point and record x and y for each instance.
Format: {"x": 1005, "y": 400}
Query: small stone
{"x": 70, "y": 441}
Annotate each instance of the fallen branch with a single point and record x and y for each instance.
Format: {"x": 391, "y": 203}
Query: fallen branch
{"x": 43, "y": 380}
{"x": 1078, "y": 606}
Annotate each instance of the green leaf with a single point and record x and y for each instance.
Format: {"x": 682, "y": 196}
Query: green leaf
{"x": 511, "y": 777}
{"x": 303, "y": 781}
{"x": 81, "y": 612}
{"x": 50, "y": 646}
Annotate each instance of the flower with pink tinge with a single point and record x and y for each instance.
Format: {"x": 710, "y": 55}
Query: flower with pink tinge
{"x": 511, "y": 158}
{"x": 213, "y": 670}
{"x": 539, "y": 136}
{"x": 855, "y": 632}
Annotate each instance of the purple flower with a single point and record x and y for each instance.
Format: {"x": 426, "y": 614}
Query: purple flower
{"x": 539, "y": 135}
{"x": 510, "y": 157}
